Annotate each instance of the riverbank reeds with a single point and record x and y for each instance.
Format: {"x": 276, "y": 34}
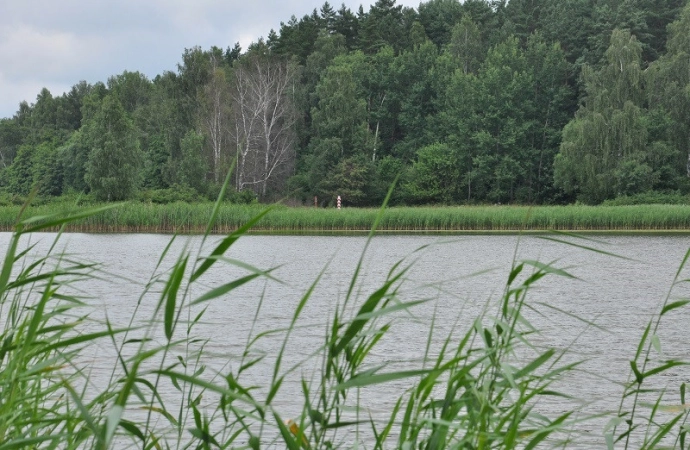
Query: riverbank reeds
{"x": 481, "y": 389}
{"x": 191, "y": 218}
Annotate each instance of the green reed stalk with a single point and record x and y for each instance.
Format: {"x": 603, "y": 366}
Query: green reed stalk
{"x": 191, "y": 218}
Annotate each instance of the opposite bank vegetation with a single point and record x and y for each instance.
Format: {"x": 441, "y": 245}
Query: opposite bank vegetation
{"x": 193, "y": 218}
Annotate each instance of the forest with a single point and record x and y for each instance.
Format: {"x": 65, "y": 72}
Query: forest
{"x": 474, "y": 102}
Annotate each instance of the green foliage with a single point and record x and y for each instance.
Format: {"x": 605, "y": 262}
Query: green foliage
{"x": 132, "y": 89}
{"x": 114, "y": 161}
{"x": 495, "y": 81}
{"x": 191, "y": 169}
{"x": 606, "y": 141}
{"x": 175, "y": 193}
{"x": 650, "y": 198}
{"x": 47, "y": 170}
{"x": 438, "y": 17}
{"x": 19, "y": 176}
{"x": 11, "y": 137}
{"x": 350, "y": 179}
{"x": 73, "y": 157}
{"x": 435, "y": 176}
{"x": 386, "y": 24}
{"x": 666, "y": 212}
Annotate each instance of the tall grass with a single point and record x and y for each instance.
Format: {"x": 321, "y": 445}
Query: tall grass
{"x": 192, "y": 218}
{"x": 481, "y": 389}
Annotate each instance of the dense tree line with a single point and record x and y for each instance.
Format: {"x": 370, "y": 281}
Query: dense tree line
{"x": 481, "y": 101}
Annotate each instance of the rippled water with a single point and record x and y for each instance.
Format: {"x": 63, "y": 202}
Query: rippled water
{"x": 459, "y": 275}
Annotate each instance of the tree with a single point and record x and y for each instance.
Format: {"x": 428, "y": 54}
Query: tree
{"x": 340, "y": 131}
{"x": 11, "y": 137}
{"x": 465, "y": 45}
{"x": 413, "y": 98}
{"x": 132, "y": 89}
{"x": 20, "y": 179}
{"x": 194, "y": 73}
{"x": 114, "y": 161}
{"x": 47, "y": 171}
{"x": 214, "y": 118}
{"x": 386, "y": 24}
{"x": 297, "y": 37}
{"x": 668, "y": 94}
{"x": 192, "y": 167}
{"x": 346, "y": 24}
{"x": 435, "y": 176}
{"x": 69, "y": 106}
{"x": 608, "y": 136}
{"x": 438, "y": 18}
{"x": 232, "y": 54}
{"x": 73, "y": 156}
{"x": 264, "y": 119}
{"x": 158, "y": 171}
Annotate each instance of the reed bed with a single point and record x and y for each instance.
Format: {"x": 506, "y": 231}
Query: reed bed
{"x": 478, "y": 390}
{"x": 191, "y": 218}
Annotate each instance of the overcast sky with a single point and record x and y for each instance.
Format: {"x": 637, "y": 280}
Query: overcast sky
{"x": 55, "y": 44}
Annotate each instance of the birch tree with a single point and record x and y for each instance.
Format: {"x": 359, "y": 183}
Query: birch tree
{"x": 214, "y": 119}
{"x": 264, "y": 121}
{"x": 603, "y": 149}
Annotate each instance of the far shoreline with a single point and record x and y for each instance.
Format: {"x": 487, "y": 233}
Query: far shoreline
{"x": 193, "y": 218}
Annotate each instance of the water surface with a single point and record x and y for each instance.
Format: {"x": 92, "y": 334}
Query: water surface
{"x": 598, "y": 317}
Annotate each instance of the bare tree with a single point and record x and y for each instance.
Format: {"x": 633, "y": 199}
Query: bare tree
{"x": 214, "y": 117}
{"x": 265, "y": 117}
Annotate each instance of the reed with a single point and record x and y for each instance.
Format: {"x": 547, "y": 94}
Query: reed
{"x": 191, "y": 218}
{"x": 479, "y": 390}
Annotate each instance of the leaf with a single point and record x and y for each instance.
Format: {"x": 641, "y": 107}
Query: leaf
{"x": 112, "y": 422}
{"x": 172, "y": 288}
{"x": 638, "y": 376}
{"x": 548, "y": 268}
{"x": 682, "y": 393}
{"x": 583, "y": 247}
{"x": 132, "y": 429}
{"x": 514, "y": 273}
{"x": 207, "y": 385}
{"x": 224, "y": 289}
{"x": 643, "y": 339}
{"x": 287, "y": 437}
{"x": 663, "y": 368}
{"x": 31, "y": 442}
{"x": 367, "y": 380}
{"x": 543, "y": 433}
{"x": 225, "y": 245}
{"x": 656, "y": 343}
{"x": 358, "y": 324}
{"x": 535, "y": 364}
{"x": 674, "y": 305}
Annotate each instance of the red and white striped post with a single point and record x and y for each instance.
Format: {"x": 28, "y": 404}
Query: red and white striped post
{"x": 338, "y": 202}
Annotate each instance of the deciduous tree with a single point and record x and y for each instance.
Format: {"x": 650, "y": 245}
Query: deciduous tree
{"x": 114, "y": 161}
{"x": 264, "y": 121}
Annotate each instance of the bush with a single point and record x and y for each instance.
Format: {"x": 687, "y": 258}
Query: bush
{"x": 173, "y": 194}
{"x": 650, "y": 198}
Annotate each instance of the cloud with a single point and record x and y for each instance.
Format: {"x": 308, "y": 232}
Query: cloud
{"x": 55, "y": 44}
{"x": 25, "y": 90}
{"x": 33, "y": 53}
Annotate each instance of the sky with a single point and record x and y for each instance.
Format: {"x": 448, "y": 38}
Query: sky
{"x": 55, "y": 44}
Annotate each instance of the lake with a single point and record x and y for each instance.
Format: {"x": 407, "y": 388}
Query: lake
{"x": 598, "y": 317}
